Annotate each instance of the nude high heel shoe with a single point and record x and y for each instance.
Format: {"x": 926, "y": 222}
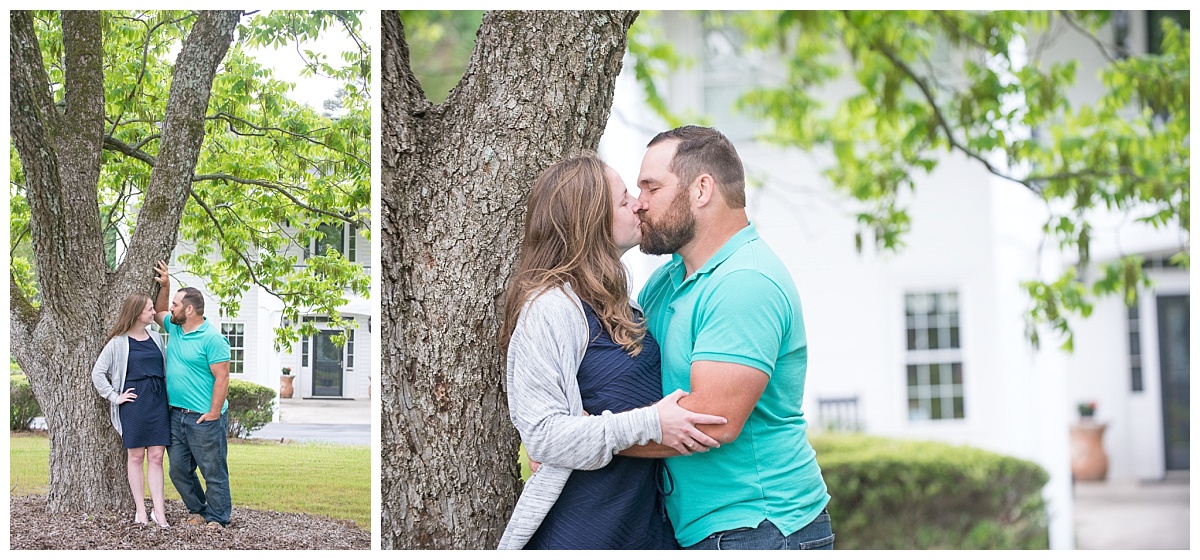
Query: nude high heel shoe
{"x": 161, "y": 525}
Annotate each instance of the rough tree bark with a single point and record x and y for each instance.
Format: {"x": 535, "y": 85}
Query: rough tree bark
{"x": 454, "y": 182}
{"x": 57, "y": 343}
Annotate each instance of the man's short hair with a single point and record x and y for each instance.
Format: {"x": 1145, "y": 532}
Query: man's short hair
{"x": 192, "y": 297}
{"x": 705, "y": 150}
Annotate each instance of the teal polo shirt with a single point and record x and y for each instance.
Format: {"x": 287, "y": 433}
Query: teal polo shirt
{"x": 189, "y": 355}
{"x": 740, "y": 307}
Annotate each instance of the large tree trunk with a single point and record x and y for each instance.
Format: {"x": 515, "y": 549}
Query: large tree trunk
{"x": 455, "y": 178}
{"x": 57, "y": 343}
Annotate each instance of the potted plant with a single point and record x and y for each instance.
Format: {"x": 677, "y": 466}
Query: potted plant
{"x": 1087, "y": 410}
{"x": 286, "y": 389}
{"x": 1088, "y": 459}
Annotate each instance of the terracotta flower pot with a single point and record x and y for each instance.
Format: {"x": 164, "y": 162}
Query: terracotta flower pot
{"x": 285, "y": 386}
{"x": 1088, "y": 459}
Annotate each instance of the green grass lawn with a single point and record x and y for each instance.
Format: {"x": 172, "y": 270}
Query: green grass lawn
{"x": 523, "y": 460}
{"x": 312, "y": 478}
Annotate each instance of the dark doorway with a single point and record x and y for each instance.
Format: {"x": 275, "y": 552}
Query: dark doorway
{"x": 327, "y": 366}
{"x": 1174, "y": 357}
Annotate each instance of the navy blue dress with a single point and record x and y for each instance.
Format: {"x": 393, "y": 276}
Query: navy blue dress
{"x": 618, "y": 506}
{"x": 144, "y": 420}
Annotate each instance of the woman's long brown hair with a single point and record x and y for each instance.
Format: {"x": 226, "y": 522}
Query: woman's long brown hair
{"x": 133, "y": 306}
{"x": 569, "y": 238}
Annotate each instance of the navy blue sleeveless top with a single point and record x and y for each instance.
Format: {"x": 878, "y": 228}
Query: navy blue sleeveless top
{"x": 620, "y": 505}
{"x": 145, "y": 360}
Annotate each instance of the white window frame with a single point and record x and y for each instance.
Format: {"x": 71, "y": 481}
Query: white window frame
{"x": 922, "y": 359}
{"x": 349, "y": 247}
{"x": 235, "y": 364}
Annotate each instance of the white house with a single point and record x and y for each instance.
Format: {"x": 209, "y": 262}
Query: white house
{"x": 930, "y": 343}
{"x": 321, "y": 368}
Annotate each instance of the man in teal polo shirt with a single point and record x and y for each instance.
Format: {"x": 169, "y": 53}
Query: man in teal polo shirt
{"x": 728, "y": 318}
{"x": 197, "y": 382}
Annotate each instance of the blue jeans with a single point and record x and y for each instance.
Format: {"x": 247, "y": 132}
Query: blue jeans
{"x": 201, "y": 446}
{"x": 817, "y": 535}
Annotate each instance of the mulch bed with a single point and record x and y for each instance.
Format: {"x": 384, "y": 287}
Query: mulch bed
{"x": 31, "y": 527}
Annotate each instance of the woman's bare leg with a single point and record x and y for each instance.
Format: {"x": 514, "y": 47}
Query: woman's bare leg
{"x": 133, "y": 465}
{"x": 155, "y": 474}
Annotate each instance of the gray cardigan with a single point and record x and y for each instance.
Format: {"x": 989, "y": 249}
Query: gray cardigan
{"x": 108, "y": 375}
{"x": 544, "y": 404}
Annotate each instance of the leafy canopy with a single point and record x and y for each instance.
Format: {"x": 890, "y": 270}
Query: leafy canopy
{"x": 982, "y": 85}
{"x": 271, "y": 171}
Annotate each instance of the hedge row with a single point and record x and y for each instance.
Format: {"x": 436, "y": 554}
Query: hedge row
{"x": 251, "y": 406}
{"x": 22, "y": 407}
{"x": 889, "y": 494}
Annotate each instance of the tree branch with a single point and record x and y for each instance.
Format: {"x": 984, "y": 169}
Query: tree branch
{"x": 1100, "y": 45}
{"x": 1088, "y": 34}
{"x": 133, "y": 152}
{"x": 1030, "y": 182}
{"x": 279, "y": 189}
{"x": 61, "y": 161}
{"x": 84, "y": 94}
{"x": 232, "y": 119}
{"x": 397, "y": 76}
{"x": 128, "y": 150}
{"x": 952, "y": 26}
{"x": 182, "y": 136}
{"x": 142, "y": 71}
{"x": 24, "y": 317}
{"x": 29, "y": 83}
{"x": 16, "y": 243}
{"x": 111, "y": 219}
{"x": 943, "y": 123}
{"x": 145, "y": 141}
{"x": 363, "y": 48}
{"x": 241, "y": 256}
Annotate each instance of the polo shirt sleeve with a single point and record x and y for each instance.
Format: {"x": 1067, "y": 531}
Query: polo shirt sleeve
{"x": 743, "y": 320}
{"x": 216, "y": 348}
{"x": 168, "y": 326}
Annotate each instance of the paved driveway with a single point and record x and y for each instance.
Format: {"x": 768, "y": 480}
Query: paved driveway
{"x": 351, "y": 434}
{"x": 345, "y": 421}
{"x": 1134, "y": 515}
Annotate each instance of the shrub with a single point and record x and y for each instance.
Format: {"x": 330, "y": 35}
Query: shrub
{"x": 892, "y": 494}
{"x": 23, "y": 407}
{"x": 251, "y": 406}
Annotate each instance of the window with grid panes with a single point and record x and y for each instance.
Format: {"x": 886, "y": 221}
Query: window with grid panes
{"x": 1133, "y": 322}
{"x": 235, "y": 333}
{"x": 934, "y": 376}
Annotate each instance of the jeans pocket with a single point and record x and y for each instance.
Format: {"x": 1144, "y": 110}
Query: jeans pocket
{"x": 817, "y": 535}
{"x": 209, "y": 425}
{"x": 821, "y": 543}
{"x": 764, "y": 537}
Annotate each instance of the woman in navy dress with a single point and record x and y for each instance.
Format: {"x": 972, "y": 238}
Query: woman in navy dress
{"x": 619, "y": 506}
{"x": 570, "y": 280}
{"x": 133, "y": 360}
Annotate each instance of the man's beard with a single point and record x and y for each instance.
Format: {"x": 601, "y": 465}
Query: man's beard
{"x": 673, "y": 230}
{"x": 177, "y": 319}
